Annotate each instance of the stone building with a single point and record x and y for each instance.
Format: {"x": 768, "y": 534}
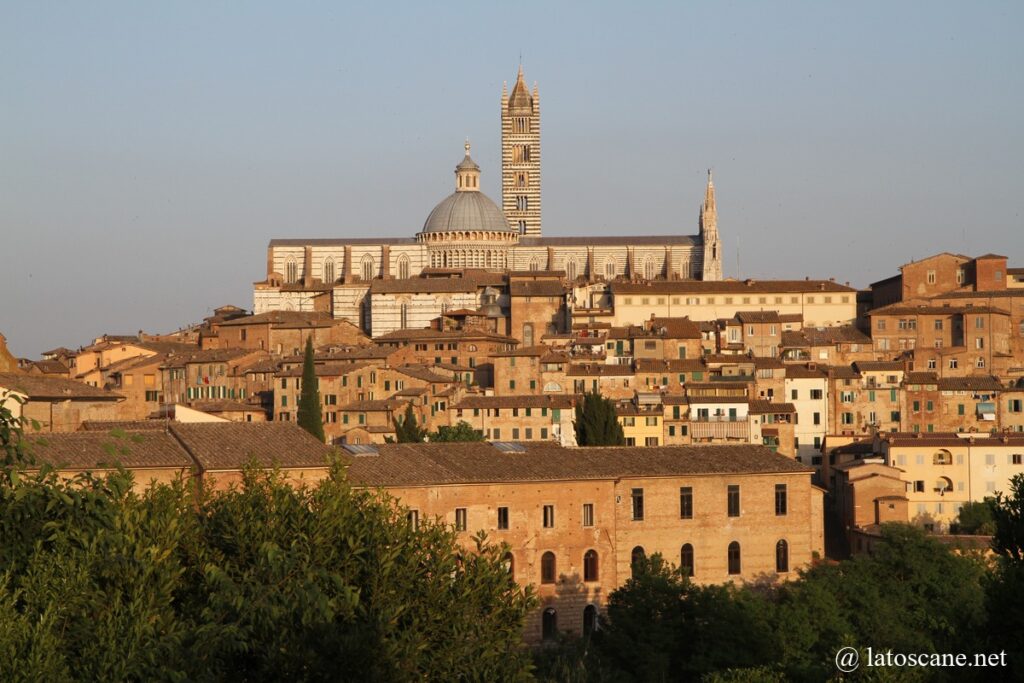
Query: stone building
{"x": 350, "y": 278}
{"x": 576, "y": 520}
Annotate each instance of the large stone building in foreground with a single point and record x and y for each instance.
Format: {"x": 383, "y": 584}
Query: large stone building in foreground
{"x": 355, "y": 278}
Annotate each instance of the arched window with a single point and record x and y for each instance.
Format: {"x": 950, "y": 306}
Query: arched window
{"x": 510, "y": 563}
{"x": 942, "y": 457}
{"x": 571, "y": 269}
{"x": 609, "y": 268}
{"x": 534, "y": 264}
{"x": 734, "y": 558}
{"x": 943, "y": 484}
{"x": 368, "y": 267}
{"x": 590, "y": 565}
{"x": 547, "y": 567}
{"x": 549, "y": 624}
{"x": 781, "y": 557}
{"x": 589, "y": 619}
{"x": 637, "y": 560}
{"x": 403, "y": 267}
{"x": 291, "y": 271}
{"x": 649, "y": 269}
{"x": 328, "y": 277}
{"x": 552, "y": 386}
{"x": 686, "y": 559}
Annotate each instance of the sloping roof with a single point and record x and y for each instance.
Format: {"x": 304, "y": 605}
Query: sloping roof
{"x": 879, "y": 365}
{"x": 676, "y": 328}
{"x": 746, "y": 317}
{"x": 448, "y": 335}
{"x": 225, "y": 406}
{"x": 770, "y": 408}
{"x": 125, "y": 425}
{"x": 51, "y": 367}
{"x": 952, "y": 440}
{"x": 977, "y": 383}
{"x": 551, "y": 288}
{"x": 671, "y": 365}
{"x": 101, "y": 449}
{"x": 478, "y": 463}
{"x": 729, "y": 286}
{"x": 326, "y": 369}
{"x": 610, "y": 240}
{"x": 518, "y": 401}
{"x": 40, "y": 387}
{"x": 424, "y": 373}
{"x": 921, "y": 378}
{"x": 233, "y": 445}
{"x": 277, "y": 318}
{"x": 937, "y": 309}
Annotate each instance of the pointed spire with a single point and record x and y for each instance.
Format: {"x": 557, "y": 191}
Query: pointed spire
{"x": 709, "y": 194}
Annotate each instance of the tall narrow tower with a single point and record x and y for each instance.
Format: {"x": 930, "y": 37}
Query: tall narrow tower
{"x": 709, "y": 234}
{"x": 520, "y": 157}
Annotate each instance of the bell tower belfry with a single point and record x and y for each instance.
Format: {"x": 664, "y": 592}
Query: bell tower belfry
{"x": 520, "y": 157}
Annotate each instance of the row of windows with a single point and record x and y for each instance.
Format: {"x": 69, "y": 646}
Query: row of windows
{"x": 687, "y": 561}
{"x": 686, "y": 508}
{"x": 367, "y": 269}
{"x": 728, "y": 300}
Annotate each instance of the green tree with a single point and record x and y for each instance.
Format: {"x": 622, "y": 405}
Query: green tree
{"x": 976, "y": 517}
{"x": 660, "y": 627}
{"x": 596, "y": 422}
{"x": 406, "y": 429}
{"x": 463, "y": 431}
{"x": 262, "y": 582}
{"x": 1004, "y": 594}
{"x": 310, "y": 416}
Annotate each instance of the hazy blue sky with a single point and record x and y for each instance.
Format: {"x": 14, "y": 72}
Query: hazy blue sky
{"x": 147, "y": 154}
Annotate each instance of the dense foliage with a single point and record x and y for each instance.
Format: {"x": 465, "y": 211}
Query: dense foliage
{"x": 596, "y": 422}
{"x": 406, "y": 428}
{"x": 462, "y": 431}
{"x": 262, "y": 582}
{"x": 912, "y": 595}
{"x": 310, "y": 416}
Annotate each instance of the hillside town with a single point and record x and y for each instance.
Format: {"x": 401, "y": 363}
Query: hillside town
{"x": 766, "y": 424}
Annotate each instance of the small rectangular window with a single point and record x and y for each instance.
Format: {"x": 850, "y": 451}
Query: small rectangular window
{"x": 637, "y": 497}
{"x": 549, "y": 516}
{"x": 780, "y": 500}
{"x": 460, "y": 519}
{"x": 503, "y": 518}
{"x": 734, "y": 500}
{"x": 588, "y": 514}
{"x": 414, "y": 519}
{"x": 686, "y": 502}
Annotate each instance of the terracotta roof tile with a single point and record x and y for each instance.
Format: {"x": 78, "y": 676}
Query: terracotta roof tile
{"x": 99, "y": 449}
{"x": 39, "y": 387}
{"x": 469, "y": 463}
{"x": 233, "y": 445}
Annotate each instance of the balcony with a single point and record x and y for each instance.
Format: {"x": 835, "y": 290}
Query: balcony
{"x": 725, "y": 430}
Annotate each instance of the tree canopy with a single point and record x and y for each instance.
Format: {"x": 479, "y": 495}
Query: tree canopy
{"x": 462, "y": 431}
{"x": 265, "y": 581}
{"x": 406, "y": 429}
{"x": 596, "y": 422}
{"x": 310, "y": 416}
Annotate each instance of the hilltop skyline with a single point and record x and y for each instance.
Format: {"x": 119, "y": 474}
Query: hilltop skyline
{"x": 152, "y": 154}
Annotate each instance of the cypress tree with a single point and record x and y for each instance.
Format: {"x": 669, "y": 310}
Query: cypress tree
{"x": 406, "y": 429}
{"x": 310, "y": 416}
{"x": 596, "y": 423}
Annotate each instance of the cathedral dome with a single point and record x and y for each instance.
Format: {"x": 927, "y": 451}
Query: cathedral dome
{"x": 466, "y": 209}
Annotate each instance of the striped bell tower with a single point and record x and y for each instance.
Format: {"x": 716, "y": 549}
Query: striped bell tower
{"x": 520, "y": 157}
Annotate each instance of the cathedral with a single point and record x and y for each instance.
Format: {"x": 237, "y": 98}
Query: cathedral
{"x": 468, "y": 245}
